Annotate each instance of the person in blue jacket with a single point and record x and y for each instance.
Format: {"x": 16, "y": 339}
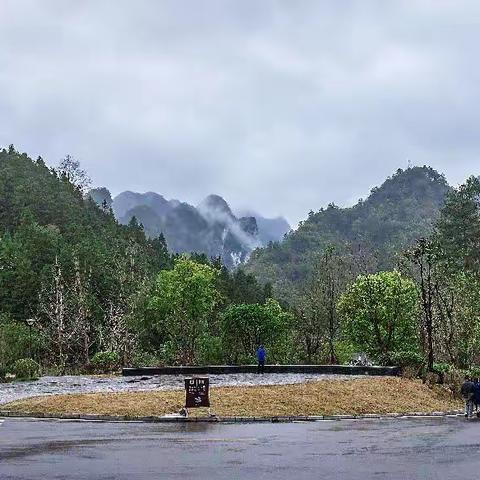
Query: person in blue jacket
{"x": 261, "y": 359}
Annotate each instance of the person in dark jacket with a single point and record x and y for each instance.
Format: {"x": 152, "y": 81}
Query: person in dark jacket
{"x": 260, "y": 359}
{"x": 468, "y": 391}
{"x": 476, "y": 394}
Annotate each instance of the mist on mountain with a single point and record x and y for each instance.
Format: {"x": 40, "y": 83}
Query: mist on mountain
{"x": 269, "y": 229}
{"x": 210, "y": 228}
{"x": 101, "y": 196}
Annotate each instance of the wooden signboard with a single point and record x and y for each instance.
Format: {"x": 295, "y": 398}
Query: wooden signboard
{"x": 196, "y": 392}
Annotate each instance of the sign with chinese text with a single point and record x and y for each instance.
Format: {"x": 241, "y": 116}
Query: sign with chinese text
{"x": 196, "y": 392}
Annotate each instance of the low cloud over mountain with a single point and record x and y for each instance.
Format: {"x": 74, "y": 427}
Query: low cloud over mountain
{"x": 210, "y": 228}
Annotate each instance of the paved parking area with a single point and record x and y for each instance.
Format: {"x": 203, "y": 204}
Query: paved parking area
{"x": 426, "y": 448}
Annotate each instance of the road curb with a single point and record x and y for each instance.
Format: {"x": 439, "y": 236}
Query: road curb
{"x": 214, "y": 419}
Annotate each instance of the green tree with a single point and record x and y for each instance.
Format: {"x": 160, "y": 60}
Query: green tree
{"x": 16, "y": 341}
{"x": 446, "y": 267}
{"x": 160, "y": 248}
{"x": 183, "y": 300}
{"x": 317, "y": 316}
{"x": 23, "y": 257}
{"x": 424, "y": 257}
{"x": 68, "y": 263}
{"x": 379, "y": 313}
{"x": 70, "y": 170}
{"x": 457, "y": 338}
{"x": 246, "y": 326}
{"x": 459, "y": 227}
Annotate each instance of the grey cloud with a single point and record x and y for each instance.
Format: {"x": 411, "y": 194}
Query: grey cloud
{"x": 282, "y": 106}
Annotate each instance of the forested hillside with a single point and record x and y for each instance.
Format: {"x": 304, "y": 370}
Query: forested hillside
{"x": 65, "y": 261}
{"x": 90, "y": 283}
{"x": 396, "y": 276}
{"x": 375, "y": 230}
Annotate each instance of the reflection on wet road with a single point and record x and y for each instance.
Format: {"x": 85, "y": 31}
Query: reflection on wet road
{"x": 395, "y": 449}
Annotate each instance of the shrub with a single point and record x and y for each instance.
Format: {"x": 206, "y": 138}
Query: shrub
{"x": 442, "y": 367}
{"x": 246, "y": 326}
{"x": 168, "y": 354}
{"x": 25, "y": 369}
{"x": 344, "y": 351}
{"x": 411, "y": 363}
{"x": 105, "y": 362}
{"x": 453, "y": 380}
{"x": 209, "y": 350}
{"x": 245, "y": 359}
{"x": 144, "y": 359}
{"x": 474, "y": 371}
{"x": 446, "y": 374}
{"x": 431, "y": 378}
{"x": 407, "y": 359}
{"x": 3, "y": 373}
{"x": 283, "y": 351}
{"x": 15, "y": 341}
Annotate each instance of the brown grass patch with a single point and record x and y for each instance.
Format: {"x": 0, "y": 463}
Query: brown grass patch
{"x": 327, "y": 397}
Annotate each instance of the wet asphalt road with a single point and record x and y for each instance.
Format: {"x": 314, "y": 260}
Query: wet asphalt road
{"x": 423, "y": 448}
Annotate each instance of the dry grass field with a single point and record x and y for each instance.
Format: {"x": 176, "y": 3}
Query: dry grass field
{"x": 328, "y": 397}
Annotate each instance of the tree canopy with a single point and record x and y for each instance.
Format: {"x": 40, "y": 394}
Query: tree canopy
{"x": 379, "y": 311}
{"x": 397, "y": 273}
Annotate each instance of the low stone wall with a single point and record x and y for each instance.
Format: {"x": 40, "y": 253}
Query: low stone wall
{"x": 226, "y": 369}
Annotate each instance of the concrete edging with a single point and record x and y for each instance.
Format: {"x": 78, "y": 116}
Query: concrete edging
{"x": 214, "y": 419}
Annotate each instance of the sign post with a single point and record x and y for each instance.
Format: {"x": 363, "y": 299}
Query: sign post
{"x": 196, "y": 392}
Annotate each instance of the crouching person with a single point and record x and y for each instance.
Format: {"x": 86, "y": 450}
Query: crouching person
{"x": 468, "y": 391}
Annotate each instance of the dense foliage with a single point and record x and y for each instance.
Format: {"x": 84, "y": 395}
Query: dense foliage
{"x": 414, "y": 222}
{"x": 395, "y": 214}
{"x": 92, "y": 285}
{"x": 380, "y": 314}
{"x": 245, "y": 327}
{"x": 446, "y": 269}
{"x": 183, "y": 303}
{"x": 397, "y": 276}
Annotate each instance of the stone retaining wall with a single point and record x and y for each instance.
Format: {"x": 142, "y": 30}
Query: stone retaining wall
{"x": 226, "y": 369}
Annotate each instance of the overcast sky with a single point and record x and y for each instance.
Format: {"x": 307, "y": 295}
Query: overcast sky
{"x": 281, "y": 106}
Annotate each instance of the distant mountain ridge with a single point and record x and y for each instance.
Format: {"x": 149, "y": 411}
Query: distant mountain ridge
{"x": 210, "y": 228}
{"x": 403, "y": 209}
{"x": 126, "y": 201}
{"x": 269, "y": 229}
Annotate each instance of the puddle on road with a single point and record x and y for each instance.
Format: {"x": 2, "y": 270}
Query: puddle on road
{"x": 62, "y": 446}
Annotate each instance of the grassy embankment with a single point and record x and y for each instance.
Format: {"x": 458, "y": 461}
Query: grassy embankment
{"x": 328, "y": 397}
